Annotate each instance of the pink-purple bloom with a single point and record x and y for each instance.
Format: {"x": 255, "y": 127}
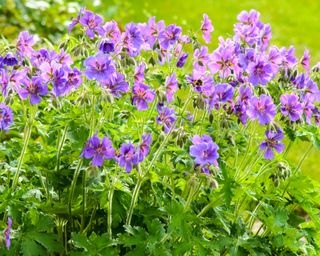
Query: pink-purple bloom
{"x": 166, "y": 117}
{"x": 6, "y": 117}
{"x": 204, "y": 150}
{"x": 262, "y": 109}
{"x": 92, "y": 22}
{"x": 272, "y": 143}
{"x": 169, "y": 36}
{"x": 291, "y": 107}
{"x": 99, "y": 67}
{"x": 116, "y": 85}
{"x": 206, "y": 28}
{"x": 182, "y": 60}
{"x": 171, "y": 86}
{"x": 98, "y": 150}
{"x": 141, "y": 95}
{"x": 144, "y": 147}
{"x": 127, "y": 157}
{"x": 25, "y": 43}
{"x": 261, "y": 72}
{"x": 33, "y": 88}
{"x": 7, "y": 233}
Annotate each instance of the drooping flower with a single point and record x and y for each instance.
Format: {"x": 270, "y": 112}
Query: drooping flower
{"x": 305, "y": 61}
{"x": 98, "y": 151}
{"x": 128, "y": 157}
{"x": 260, "y": 72}
{"x": 141, "y": 95}
{"x": 206, "y": 28}
{"x": 6, "y": 117}
{"x": 262, "y": 109}
{"x": 166, "y": 117}
{"x": 144, "y": 147}
{"x": 171, "y": 86}
{"x": 10, "y": 59}
{"x": 99, "y": 67}
{"x": 272, "y": 142}
{"x": 7, "y": 233}
{"x": 25, "y": 43}
{"x": 116, "y": 85}
{"x": 139, "y": 73}
{"x": 33, "y": 88}
{"x": 182, "y": 60}
{"x": 169, "y": 36}
{"x": 201, "y": 59}
{"x": 204, "y": 150}
{"x": 92, "y": 22}
{"x": 290, "y": 106}
{"x": 106, "y": 46}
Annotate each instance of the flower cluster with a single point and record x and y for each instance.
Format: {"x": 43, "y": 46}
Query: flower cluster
{"x": 127, "y": 156}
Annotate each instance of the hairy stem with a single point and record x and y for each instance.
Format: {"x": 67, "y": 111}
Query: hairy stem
{"x": 134, "y": 199}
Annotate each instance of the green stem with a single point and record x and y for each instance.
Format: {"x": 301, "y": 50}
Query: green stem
{"x": 84, "y": 199}
{"x": 73, "y": 186}
{"x": 60, "y": 147}
{"x": 26, "y": 135}
{"x": 134, "y": 199}
{"x": 110, "y": 197}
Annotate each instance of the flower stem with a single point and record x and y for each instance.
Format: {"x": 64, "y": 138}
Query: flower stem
{"x": 110, "y": 199}
{"x": 134, "y": 199}
{"x": 26, "y": 138}
{"x": 73, "y": 185}
{"x": 84, "y": 199}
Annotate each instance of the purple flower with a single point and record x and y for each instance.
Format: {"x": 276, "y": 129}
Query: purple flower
{"x": 169, "y": 36}
{"x": 98, "y": 151}
{"x": 206, "y": 28}
{"x": 7, "y": 233}
{"x": 10, "y": 59}
{"x": 25, "y": 43}
{"x": 201, "y": 59}
{"x": 260, "y": 72}
{"x": 112, "y": 31}
{"x": 76, "y": 20}
{"x": 99, "y": 67}
{"x": 127, "y": 157}
{"x": 116, "y": 85}
{"x": 132, "y": 39}
{"x": 144, "y": 147}
{"x": 202, "y": 83}
{"x": 33, "y": 88}
{"x": 48, "y": 70}
{"x": 288, "y": 57}
{"x": 204, "y": 150}
{"x": 290, "y": 106}
{"x": 262, "y": 109}
{"x": 305, "y": 61}
{"x": 6, "y": 117}
{"x": 141, "y": 95}
{"x": 59, "y": 80}
{"x": 139, "y": 73}
{"x": 245, "y": 93}
{"x": 63, "y": 58}
{"x": 73, "y": 79}
{"x": 166, "y": 117}
{"x": 171, "y": 86}
{"x": 92, "y": 23}
{"x": 182, "y": 60}
{"x": 272, "y": 142}
{"x": 106, "y": 46}
{"x": 223, "y": 92}
{"x": 38, "y": 57}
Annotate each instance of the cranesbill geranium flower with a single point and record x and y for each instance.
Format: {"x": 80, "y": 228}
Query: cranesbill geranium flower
{"x": 166, "y": 117}
{"x": 206, "y": 28}
{"x": 204, "y": 150}
{"x": 290, "y": 106}
{"x": 127, "y": 157}
{"x": 7, "y": 233}
{"x": 262, "y": 109}
{"x": 260, "y": 72}
{"x": 144, "y": 147}
{"x": 139, "y": 73}
{"x": 10, "y": 59}
{"x": 99, "y": 67}
{"x": 25, "y": 43}
{"x": 98, "y": 150}
{"x": 141, "y": 95}
{"x": 116, "y": 85}
{"x": 182, "y": 60}
{"x": 106, "y": 46}
{"x": 272, "y": 142}
{"x": 171, "y": 86}
{"x": 132, "y": 39}
{"x": 169, "y": 36}
{"x": 305, "y": 61}
{"x": 33, "y": 88}
{"x": 92, "y": 22}
{"x": 6, "y": 117}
